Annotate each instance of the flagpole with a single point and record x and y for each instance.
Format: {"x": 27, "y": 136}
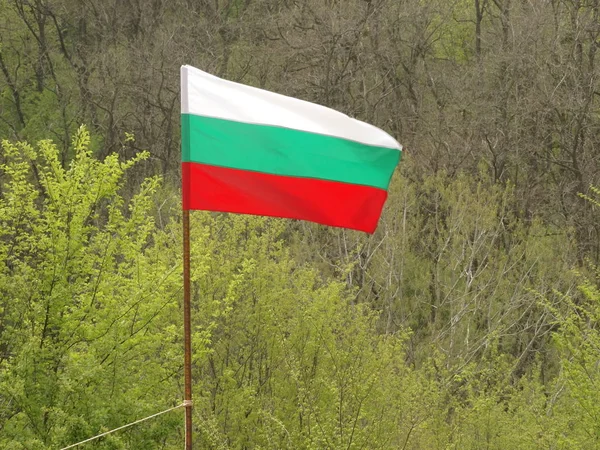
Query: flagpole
{"x": 187, "y": 359}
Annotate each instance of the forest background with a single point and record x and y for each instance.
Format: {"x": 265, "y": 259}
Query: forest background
{"x": 469, "y": 320}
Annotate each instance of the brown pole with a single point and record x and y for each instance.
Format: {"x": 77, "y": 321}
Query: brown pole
{"x": 187, "y": 333}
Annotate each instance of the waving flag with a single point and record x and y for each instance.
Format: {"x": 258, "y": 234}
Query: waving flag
{"x": 250, "y": 151}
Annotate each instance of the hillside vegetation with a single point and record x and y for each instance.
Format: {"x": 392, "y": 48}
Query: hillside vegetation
{"x": 469, "y": 320}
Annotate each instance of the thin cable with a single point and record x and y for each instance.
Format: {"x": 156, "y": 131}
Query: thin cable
{"x": 124, "y": 426}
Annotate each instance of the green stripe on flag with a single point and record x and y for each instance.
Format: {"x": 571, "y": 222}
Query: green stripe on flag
{"x": 284, "y": 151}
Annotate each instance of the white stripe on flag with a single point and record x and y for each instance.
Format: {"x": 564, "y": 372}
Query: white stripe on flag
{"x": 203, "y": 94}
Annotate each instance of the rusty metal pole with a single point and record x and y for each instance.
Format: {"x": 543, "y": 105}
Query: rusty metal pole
{"x": 187, "y": 332}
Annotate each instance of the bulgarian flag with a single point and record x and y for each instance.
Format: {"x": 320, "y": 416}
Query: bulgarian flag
{"x": 250, "y": 151}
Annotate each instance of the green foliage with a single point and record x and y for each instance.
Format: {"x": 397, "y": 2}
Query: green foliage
{"x": 429, "y": 334}
{"x": 579, "y": 340}
{"x": 595, "y": 200}
{"x": 452, "y": 30}
{"x": 287, "y": 352}
{"x": 292, "y": 362}
{"x": 90, "y": 325}
{"x": 81, "y": 293}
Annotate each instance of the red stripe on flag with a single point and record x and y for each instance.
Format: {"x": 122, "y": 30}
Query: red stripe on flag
{"x": 212, "y": 188}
